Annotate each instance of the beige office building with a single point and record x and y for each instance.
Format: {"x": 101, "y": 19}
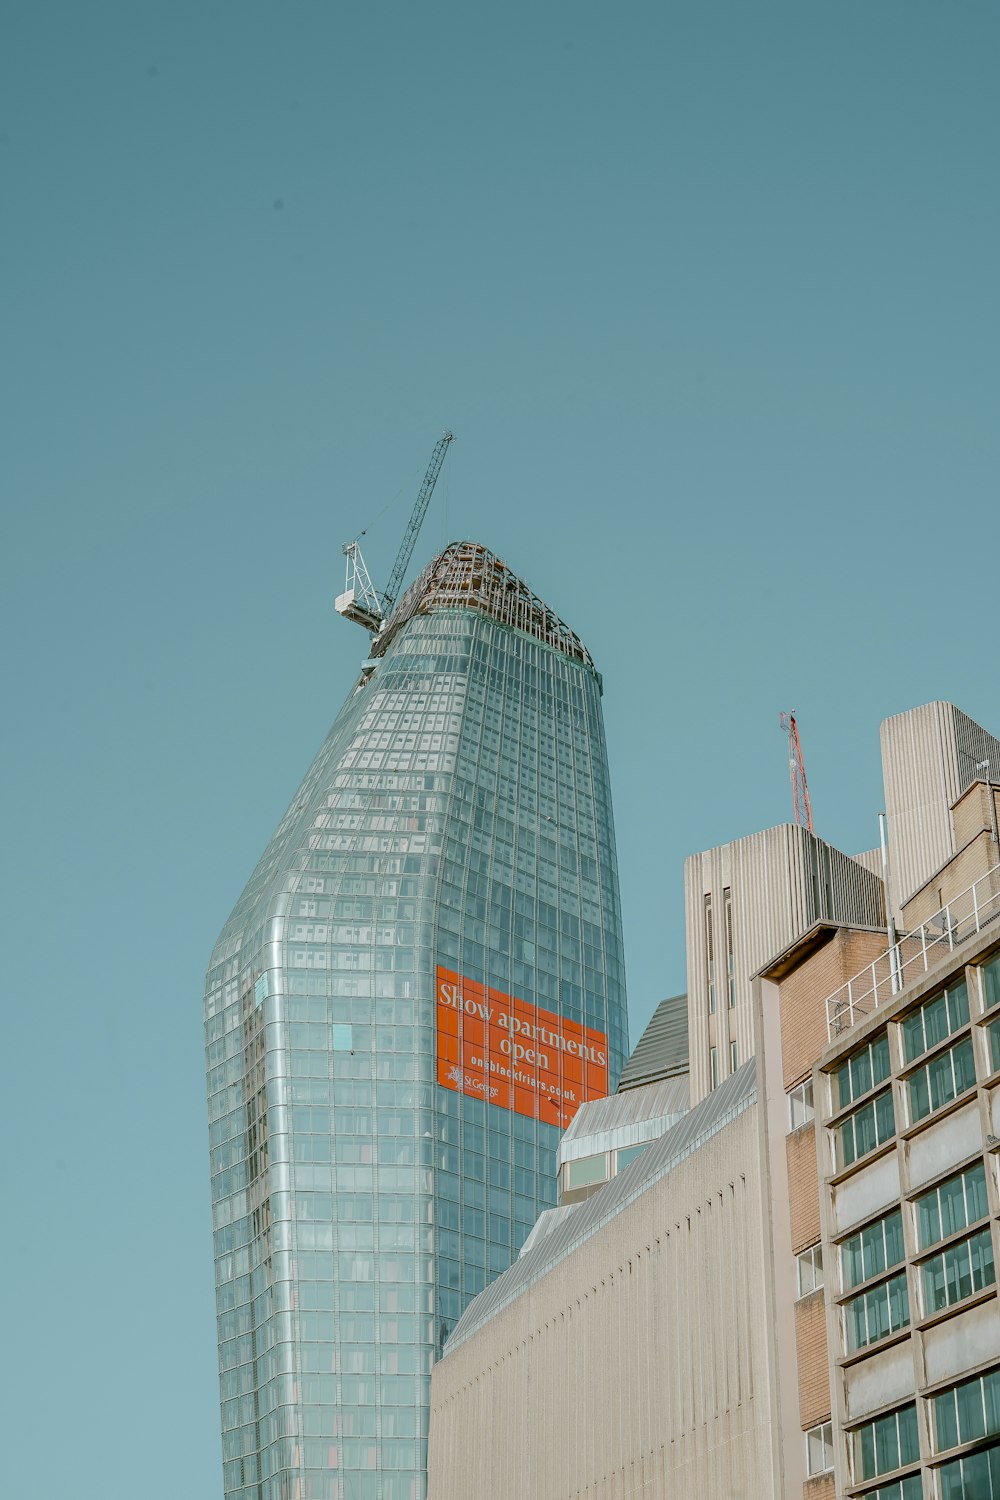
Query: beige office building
{"x": 791, "y": 1293}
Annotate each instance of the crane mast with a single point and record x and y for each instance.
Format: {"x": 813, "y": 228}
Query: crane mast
{"x": 360, "y": 600}
{"x": 409, "y": 541}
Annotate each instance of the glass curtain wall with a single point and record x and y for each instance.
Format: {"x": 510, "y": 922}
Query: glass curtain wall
{"x": 457, "y": 819}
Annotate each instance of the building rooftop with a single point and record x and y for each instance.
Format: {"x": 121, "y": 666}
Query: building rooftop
{"x": 572, "y": 1226}
{"x": 638, "y": 1114}
{"x": 467, "y": 575}
{"x": 662, "y": 1050}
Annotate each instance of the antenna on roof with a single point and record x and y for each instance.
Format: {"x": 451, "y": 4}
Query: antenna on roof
{"x": 797, "y": 768}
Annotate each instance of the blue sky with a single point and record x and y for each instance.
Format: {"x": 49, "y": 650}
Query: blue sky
{"x": 708, "y": 294}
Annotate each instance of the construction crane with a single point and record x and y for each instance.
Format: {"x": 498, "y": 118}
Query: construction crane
{"x": 360, "y": 600}
{"x": 800, "y": 789}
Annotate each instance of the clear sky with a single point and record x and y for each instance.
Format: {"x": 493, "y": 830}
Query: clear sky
{"x": 708, "y": 294}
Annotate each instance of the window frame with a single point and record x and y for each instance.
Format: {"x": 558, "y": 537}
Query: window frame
{"x": 859, "y": 1235}
{"x": 813, "y": 1258}
{"x": 823, "y": 1433}
{"x": 872, "y": 1102}
{"x": 984, "y": 1233}
{"x": 803, "y": 1096}
{"x": 923, "y": 1071}
{"x": 922, "y": 1010}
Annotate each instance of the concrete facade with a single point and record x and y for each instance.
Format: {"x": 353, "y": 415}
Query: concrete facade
{"x": 672, "y": 1290}
{"x": 716, "y": 1321}
{"x": 745, "y": 901}
{"x": 930, "y": 756}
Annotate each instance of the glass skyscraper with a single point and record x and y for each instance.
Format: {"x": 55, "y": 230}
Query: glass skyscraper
{"x": 419, "y": 985}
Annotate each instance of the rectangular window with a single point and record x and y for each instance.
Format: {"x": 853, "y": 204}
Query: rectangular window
{"x": 968, "y": 1411}
{"x": 866, "y": 1129}
{"x": 862, "y": 1071}
{"x": 951, "y": 1206}
{"x": 910, "y": 1488}
{"x": 993, "y": 1040}
{"x": 936, "y": 1019}
{"x": 734, "y": 1057}
{"x": 586, "y": 1171}
{"x": 876, "y": 1313}
{"x": 810, "y": 1270}
{"x": 710, "y": 954}
{"x": 941, "y": 1080}
{"x": 800, "y": 1105}
{"x": 976, "y": 1475}
{"x": 875, "y": 1249}
{"x": 886, "y": 1444}
{"x": 989, "y": 978}
{"x": 625, "y": 1154}
{"x": 727, "y": 898}
{"x": 713, "y": 1058}
{"x": 819, "y": 1449}
{"x": 958, "y": 1272}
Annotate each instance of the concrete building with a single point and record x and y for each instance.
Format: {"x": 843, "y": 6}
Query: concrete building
{"x": 630, "y": 1351}
{"x": 930, "y": 756}
{"x": 744, "y": 901}
{"x": 652, "y": 1095}
{"x": 792, "y": 1292}
{"x": 420, "y": 984}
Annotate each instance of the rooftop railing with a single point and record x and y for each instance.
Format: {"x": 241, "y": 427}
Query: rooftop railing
{"x": 913, "y": 953}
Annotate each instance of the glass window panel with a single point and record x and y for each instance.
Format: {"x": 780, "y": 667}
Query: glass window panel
{"x": 991, "y": 982}
{"x": 919, "y": 1095}
{"x": 895, "y": 1251}
{"x": 945, "y": 1421}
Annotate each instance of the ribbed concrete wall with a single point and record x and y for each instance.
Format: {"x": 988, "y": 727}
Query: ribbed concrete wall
{"x": 930, "y": 755}
{"x": 638, "y": 1366}
{"x": 782, "y": 881}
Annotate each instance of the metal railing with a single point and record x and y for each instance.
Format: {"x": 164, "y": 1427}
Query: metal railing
{"x": 913, "y": 953}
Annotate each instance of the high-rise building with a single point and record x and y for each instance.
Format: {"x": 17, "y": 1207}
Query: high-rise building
{"x": 420, "y": 984}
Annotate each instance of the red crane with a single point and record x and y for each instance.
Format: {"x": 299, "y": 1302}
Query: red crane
{"x": 797, "y": 767}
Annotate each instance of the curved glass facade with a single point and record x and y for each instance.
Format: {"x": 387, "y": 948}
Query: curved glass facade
{"x": 448, "y": 857}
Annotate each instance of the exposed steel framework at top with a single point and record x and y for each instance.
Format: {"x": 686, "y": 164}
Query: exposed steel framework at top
{"x": 467, "y": 575}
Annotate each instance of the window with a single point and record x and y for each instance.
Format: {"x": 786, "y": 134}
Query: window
{"x": 941, "y": 1080}
{"x": 625, "y": 1154}
{"x": 958, "y": 1272}
{"x": 710, "y": 954}
{"x": 993, "y": 1038}
{"x": 876, "y": 1248}
{"x": 910, "y": 1488}
{"x": 989, "y": 979}
{"x": 968, "y": 1411}
{"x": 819, "y": 1449}
{"x": 861, "y": 1072}
{"x": 713, "y": 1058}
{"x": 866, "y": 1129}
{"x": 951, "y": 1206}
{"x": 727, "y": 898}
{"x": 936, "y": 1019}
{"x": 587, "y": 1170}
{"x": 734, "y": 1057}
{"x": 810, "y": 1270}
{"x": 800, "y": 1105}
{"x": 978, "y": 1475}
{"x": 876, "y": 1313}
{"x": 886, "y": 1444}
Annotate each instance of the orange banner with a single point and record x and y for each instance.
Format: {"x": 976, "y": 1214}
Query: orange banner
{"x": 515, "y": 1055}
